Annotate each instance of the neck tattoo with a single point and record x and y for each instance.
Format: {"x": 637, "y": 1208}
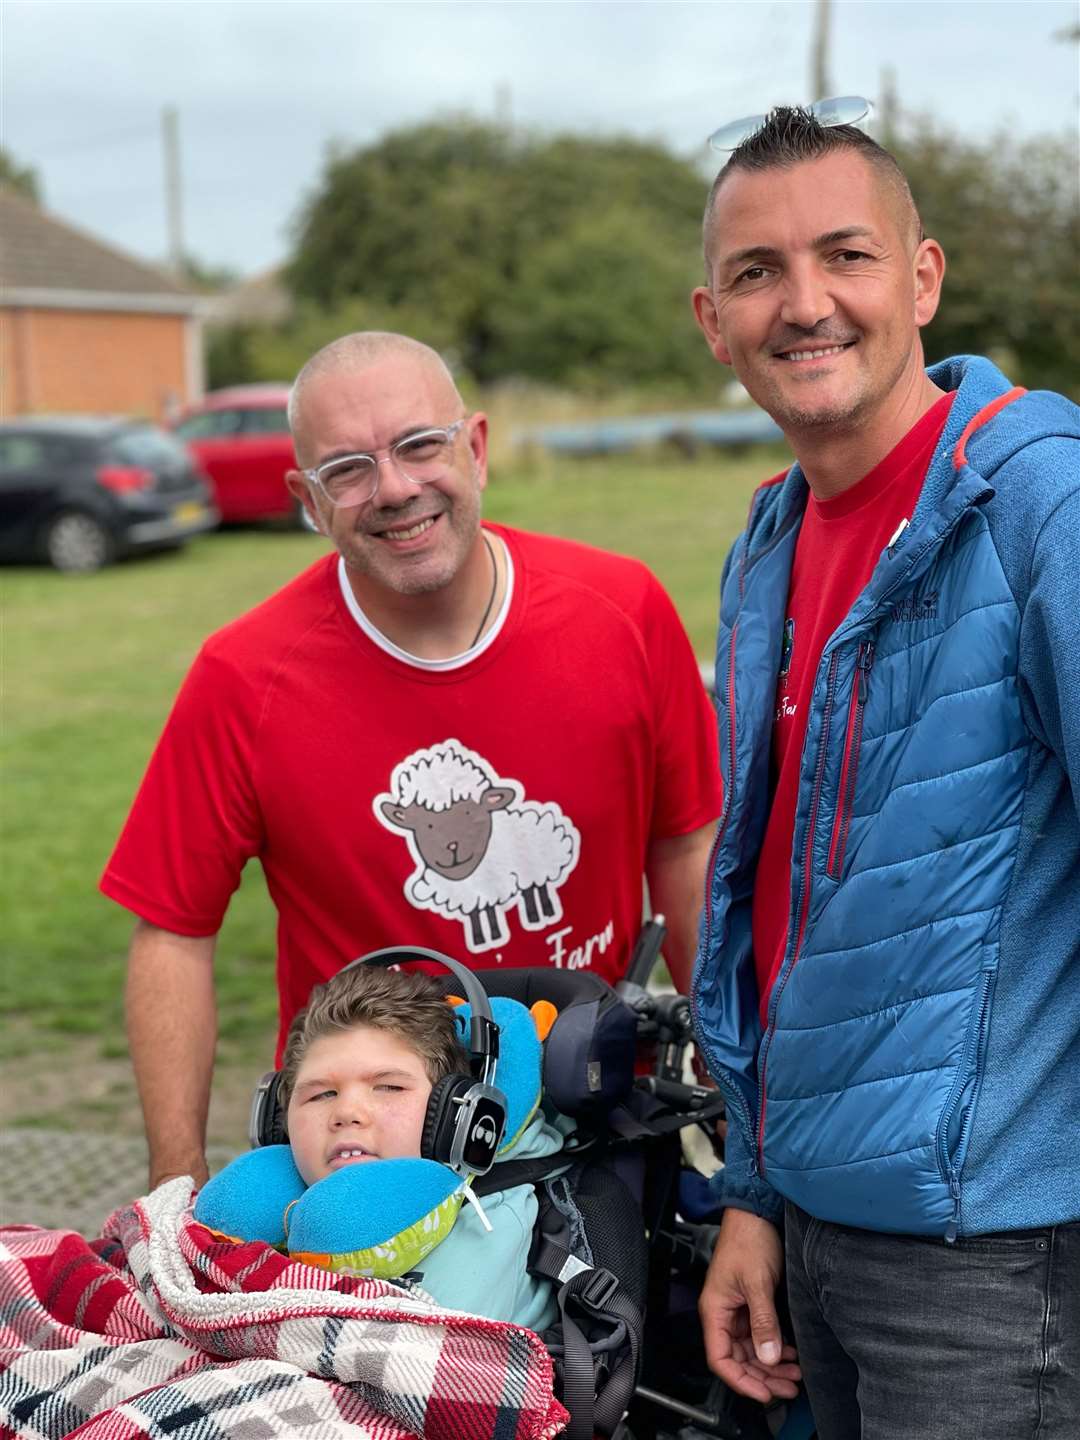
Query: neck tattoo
{"x": 494, "y": 588}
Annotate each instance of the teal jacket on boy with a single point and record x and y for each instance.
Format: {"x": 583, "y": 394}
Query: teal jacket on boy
{"x": 485, "y": 1271}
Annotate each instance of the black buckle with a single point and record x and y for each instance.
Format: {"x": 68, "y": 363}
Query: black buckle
{"x": 596, "y": 1292}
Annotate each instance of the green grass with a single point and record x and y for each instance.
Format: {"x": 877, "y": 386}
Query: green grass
{"x": 90, "y": 667}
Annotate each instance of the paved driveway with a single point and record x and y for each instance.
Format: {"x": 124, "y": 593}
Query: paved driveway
{"x": 67, "y": 1181}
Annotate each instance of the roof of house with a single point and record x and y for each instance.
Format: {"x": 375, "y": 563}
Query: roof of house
{"x": 260, "y": 300}
{"x": 44, "y": 261}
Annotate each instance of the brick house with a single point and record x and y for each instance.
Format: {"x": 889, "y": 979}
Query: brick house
{"x": 85, "y": 328}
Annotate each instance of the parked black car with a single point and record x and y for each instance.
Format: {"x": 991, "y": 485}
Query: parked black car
{"x": 79, "y": 491}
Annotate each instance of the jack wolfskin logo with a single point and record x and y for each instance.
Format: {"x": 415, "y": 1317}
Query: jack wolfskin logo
{"x": 917, "y": 607}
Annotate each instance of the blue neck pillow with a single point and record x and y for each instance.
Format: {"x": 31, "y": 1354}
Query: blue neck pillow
{"x": 382, "y": 1218}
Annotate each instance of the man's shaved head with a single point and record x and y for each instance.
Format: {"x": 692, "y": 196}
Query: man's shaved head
{"x": 360, "y": 351}
{"x": 369, "y": 394}
{"x": 792, "y": 135}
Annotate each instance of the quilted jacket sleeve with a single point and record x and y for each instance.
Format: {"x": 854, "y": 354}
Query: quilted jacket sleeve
{"x": 1049, "y": 652}
{"x": 738, "y": 1185}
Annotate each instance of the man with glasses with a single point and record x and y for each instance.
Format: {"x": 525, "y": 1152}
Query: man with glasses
{"x": 888, "y": 990}
{"x": 444, "y": 734}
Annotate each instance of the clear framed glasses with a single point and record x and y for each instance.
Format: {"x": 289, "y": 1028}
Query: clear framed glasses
{"x": 837, "y": 110}
{"x": 421, "y": 457}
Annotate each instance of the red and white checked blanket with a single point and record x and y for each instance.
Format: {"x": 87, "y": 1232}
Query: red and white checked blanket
{"x": 161, "y": 1329}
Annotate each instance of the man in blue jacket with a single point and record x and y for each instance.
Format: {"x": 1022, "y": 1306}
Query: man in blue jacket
{"x": 888, "y": 986}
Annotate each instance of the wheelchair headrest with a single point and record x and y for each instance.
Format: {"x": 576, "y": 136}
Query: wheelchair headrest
{"x": 589, "y": 1050}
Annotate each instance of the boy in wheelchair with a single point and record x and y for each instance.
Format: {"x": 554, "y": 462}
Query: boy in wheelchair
{"x": 567, "y": 1223}
{"x": 388, "y": 1122}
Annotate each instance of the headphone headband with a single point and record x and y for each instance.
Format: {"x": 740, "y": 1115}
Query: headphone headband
{"x": 466, "y": 1114}
{"x": 483, "y": 1032}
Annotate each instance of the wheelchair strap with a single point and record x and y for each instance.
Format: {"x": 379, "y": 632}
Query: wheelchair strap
{"x": 598, "y": 1369}
{"x": 652, "y": 1125}
{"x": 523, "y": 1172}
{"x": 597, "y": 1407}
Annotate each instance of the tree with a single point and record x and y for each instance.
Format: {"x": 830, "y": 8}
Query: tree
{"x": 1008, "y": 217}
{"x": 603, "y": 302}
{"x": 205, "y": 276}
{"x": 569, "y": 259}
{"x": 424, "y": 218}
{"x": 506, "y": 244}
{"x": 22, "y": 178}
{"x": 247, "y": 351}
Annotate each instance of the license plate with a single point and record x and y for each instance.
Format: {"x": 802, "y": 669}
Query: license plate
{"x": 190, "y": 510}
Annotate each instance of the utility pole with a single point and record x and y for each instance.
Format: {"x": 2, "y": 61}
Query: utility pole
{"x": 820, "y": 84}
{"x": 170, "y": 134}
{"x": 887, "y": 120}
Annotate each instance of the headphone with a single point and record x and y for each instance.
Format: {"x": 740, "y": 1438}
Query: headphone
{"x": 466, "y": 1114}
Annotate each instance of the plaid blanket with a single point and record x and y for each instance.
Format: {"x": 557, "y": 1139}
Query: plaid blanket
{"x": 161, "y": 1328}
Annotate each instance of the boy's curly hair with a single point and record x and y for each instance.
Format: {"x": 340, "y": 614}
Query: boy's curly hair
{"x": 408, "y": 1005}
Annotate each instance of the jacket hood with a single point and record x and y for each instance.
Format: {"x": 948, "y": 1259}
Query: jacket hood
{"x": 988, "y": 441}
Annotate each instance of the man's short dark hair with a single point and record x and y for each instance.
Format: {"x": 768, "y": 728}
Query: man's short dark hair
{"x": 792, "y": 135}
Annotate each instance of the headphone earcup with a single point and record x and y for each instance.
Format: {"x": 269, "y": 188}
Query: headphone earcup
{"x": 440, "y": 1121}
{"x": 270, "y": 1120}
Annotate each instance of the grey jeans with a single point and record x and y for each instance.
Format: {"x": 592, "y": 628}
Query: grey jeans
{"x": 907, "y": 1338}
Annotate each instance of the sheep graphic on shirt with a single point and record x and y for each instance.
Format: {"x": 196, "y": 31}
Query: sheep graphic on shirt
{"x": 478, "y": 846}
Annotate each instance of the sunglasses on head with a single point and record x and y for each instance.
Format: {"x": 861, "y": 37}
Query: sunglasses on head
{"x": 838, "y": 110}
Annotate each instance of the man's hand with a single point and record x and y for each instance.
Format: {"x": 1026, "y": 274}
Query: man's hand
{"x": 743, "y": 1344}
{"x": 198, "y": 1172}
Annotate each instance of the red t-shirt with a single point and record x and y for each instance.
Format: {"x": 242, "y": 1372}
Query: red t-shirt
{"x": 499, "y": 811}
{"x": 839, "y": 544}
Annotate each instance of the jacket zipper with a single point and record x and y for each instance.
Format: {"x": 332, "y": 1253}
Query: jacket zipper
{"x": 803, "y": 906}
{"x": 845, "y": 800}
{"x": 730, "y": 1092}
{"x": 728, "y": 792}
{"x": 949, "y": 1171}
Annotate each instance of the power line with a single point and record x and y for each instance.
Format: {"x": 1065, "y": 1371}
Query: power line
{"x": 75, "y": 147}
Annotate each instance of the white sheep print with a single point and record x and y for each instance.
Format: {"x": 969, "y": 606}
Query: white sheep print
{"x": 481, "y": 848}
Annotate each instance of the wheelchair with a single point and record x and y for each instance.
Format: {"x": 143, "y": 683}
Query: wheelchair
{"x": 626, "y": 1226}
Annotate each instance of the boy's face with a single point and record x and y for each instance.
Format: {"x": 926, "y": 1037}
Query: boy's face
{"x": 360, "y": 1095}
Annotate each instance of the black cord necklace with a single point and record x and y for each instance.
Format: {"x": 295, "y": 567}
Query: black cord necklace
{"x": 494, "y": 588}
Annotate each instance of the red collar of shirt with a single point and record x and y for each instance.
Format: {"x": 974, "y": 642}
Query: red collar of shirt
{"x": 912, "y": 453}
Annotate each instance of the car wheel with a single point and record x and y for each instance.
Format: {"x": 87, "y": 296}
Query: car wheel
{"x": 75, "y": 541}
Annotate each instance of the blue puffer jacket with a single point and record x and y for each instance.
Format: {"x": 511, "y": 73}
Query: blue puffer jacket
{"x": 920, "y": 1070}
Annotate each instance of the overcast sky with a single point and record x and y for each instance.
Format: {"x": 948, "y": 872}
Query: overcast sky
{"x": 262, "y": 88}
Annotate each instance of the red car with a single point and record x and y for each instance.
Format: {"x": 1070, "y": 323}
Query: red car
{"x": 240, "y": 437}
